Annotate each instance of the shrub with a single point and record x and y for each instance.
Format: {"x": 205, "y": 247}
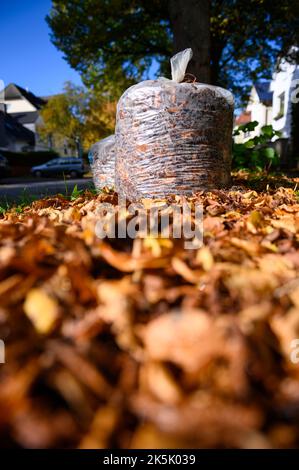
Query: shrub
{"x": 256, "y": 153}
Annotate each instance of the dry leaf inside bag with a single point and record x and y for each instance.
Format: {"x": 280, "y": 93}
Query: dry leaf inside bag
{"x": 173, "y": 137}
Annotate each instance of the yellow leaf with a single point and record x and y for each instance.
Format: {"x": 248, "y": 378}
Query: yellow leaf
{"x": 256, "y": 218}
{"x": 250, "y": 195}
{"x": 205, "y": 258}
{"x": 42, "y": 310}
{"x": 157, "y": 244}
{"x": 269, "y": 246}
{"x": 72, "y": 214}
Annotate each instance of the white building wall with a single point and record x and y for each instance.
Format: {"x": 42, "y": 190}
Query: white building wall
{"x": 283, "y": 85}
{"x": 15, "y": 146}
{"x": 31, "y": 127}
{"x": 19, "y": 106}
{"x": 259, "y": 112}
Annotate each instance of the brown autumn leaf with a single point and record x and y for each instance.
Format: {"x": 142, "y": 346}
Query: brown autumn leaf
{"x": 146, "y": 343}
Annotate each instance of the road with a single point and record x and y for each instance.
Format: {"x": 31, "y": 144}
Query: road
{"x": 16, "y": 190}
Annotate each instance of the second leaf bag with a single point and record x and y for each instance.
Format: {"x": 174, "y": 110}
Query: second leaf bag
{"x": 102, "y": 162}
{"x": 173, "y": 138}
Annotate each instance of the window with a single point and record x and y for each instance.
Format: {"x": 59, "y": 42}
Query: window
{"x": 52, "y": 162}
{"x": 281, "y": 99}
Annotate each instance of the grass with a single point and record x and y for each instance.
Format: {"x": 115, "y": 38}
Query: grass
{"x": 77, "y": 192}
{"x": 262, "y": 181}
{"x": 259, "y": 181}
{"x": 26, "y": 199}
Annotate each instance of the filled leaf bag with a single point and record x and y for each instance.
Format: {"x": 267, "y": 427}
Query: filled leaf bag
{"x": 173, "y": 138}
{"x": 102, "y": 162}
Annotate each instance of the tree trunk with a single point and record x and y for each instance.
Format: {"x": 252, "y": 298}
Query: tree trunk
{"x": 190, "y": 20}
{"x": 216, "y": 53}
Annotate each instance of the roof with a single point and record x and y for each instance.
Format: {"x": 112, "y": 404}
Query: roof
{"x": 13, "y": 91}
{"x": 243, "y": 118}
{"x": 13, "y": 128}
{"x": 263, "y": 91}
{"x": 26, "y": 118}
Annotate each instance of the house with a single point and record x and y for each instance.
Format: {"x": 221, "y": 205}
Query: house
{"x": 259, "y": 108}
{"x": 272, "y": 103}
{"x": 285, "y": 88}
{"x": 260, "y": 104}
{"x": 23, "y": 106}
{"x": 13, "y": 135}
{"x": 243, "y": 118}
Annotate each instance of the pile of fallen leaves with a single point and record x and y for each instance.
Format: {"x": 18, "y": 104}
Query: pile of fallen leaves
{"x": 133, "y": 344}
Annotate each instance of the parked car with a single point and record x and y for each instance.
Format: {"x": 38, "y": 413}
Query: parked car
{"x": 68, "y": 166}
{"x": 4, "y": 167}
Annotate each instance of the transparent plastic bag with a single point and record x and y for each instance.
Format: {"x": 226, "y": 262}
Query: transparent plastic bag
{"x": 102, "y": 162}
{"x": 179, "y": 63}
{"x": 173, "y": 138}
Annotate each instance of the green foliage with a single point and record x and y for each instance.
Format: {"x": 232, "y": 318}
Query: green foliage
{"x": 76, "y": 192}
{"x": 3, "y": 209}
{"x": 255, "y": 154}
{"x": 113, "y": 43}
{"x": 78, "y": 115}
{"x": 63, "y": 116}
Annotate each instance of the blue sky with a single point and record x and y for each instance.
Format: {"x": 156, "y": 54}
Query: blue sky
{"x": 27, "y": 56}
